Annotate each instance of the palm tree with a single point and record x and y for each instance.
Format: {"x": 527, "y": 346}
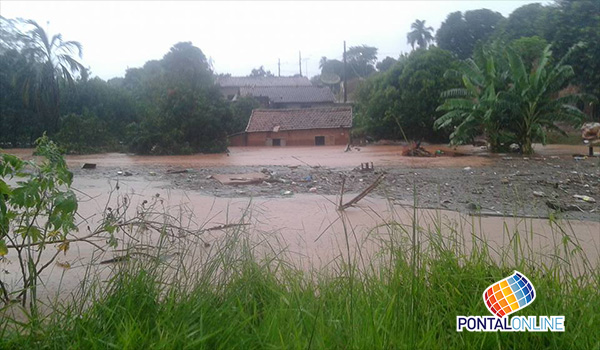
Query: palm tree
{"x": 322, "y": 62}
{"x": 52, "y": 61}
{"x": 419, "y": 34}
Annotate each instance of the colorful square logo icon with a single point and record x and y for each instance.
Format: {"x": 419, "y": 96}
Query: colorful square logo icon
{"x": 509, "y": 295}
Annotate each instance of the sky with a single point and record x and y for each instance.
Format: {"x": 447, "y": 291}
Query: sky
{"x": 237, "y": 36}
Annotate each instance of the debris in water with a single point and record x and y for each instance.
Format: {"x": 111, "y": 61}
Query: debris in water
{"x": 361, "y": 195}
{"x": 585, "y": 198}
{"x": 415, "y": 150}
{"x": 183, "y": 171}
{"x": 241, "y": 179}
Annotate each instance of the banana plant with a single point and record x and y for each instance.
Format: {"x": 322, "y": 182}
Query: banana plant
{"x": 473, "y": 109}
{"x": 535, "y": 100}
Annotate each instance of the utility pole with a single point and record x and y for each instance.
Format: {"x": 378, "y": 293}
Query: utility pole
{"x": 279, "y": 67}
{"x": 300, "y": 61}
{"x": 345, "y": 95}
{"x": 306, "y": 67}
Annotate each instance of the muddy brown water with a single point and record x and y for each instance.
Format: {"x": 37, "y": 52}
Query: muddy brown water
{"x": 326, "y": 156}
{"x": 306, "y": 226}
{"x": 329, "y": 156}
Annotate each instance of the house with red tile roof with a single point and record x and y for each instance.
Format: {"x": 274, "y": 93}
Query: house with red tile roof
{"x": 296, "y": 127}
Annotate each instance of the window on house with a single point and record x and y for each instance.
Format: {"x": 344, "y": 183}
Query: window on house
{"x": 319, "y": 140}
{"x": 276, "y": 142}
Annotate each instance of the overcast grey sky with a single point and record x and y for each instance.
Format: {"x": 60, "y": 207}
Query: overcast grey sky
{"x": 237, "y": 36}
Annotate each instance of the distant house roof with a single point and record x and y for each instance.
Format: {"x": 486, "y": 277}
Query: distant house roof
{"x": 290, "y": 94}
{"x": 299, "y": 119}
{"x": 263, "y": 81}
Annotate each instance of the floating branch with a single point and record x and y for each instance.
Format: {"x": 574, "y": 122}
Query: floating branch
{"x": 361, "y": 195}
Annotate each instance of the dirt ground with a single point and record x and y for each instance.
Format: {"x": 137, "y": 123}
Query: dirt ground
{"x": 500, "y": 184}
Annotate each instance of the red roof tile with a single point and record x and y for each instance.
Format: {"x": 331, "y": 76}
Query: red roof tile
{"x": 299, "y": 119}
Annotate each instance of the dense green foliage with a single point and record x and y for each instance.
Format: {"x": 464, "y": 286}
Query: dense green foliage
{"x": 563, "y": 24}
{"x": 459, "y": 34}
{"x": 473, "y": 109}
{"x": 36, "y": 68}
{"x": 361, "y": 61}
{"x": 386, "y": 64}
{"x": 480, "y": 39}
{"x": 171, "y": 105}
{"x": 402, "y": 101}
{"x": 573, "y": 22}
{"x": 168, "y": 106}
{"x": 185, "y": 112}
{"x": 509, "y": 102}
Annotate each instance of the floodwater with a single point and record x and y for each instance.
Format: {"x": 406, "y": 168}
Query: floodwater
{"x": 306, "y": 226}
{"x": 327, "y": 156}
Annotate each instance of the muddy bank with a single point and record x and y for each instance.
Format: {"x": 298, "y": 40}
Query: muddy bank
{"x": 501, "y": 184}
{"x": 505, "y": 186}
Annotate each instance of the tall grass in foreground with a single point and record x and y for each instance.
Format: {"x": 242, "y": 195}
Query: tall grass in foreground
{"x": 242, "y": 296}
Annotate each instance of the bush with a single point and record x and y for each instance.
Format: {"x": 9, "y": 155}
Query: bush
{"x": 84, "y": 134}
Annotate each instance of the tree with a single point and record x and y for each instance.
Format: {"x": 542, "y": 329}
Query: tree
{"x": 574, "y": 22}
{"x": 55, "y": 63}
{"x": 460, "y": 34}
{"x": 322, "y": 62}
{"x": 10, "y": 36}
{"x": 101, "y": 107}
{"x": 181, "y": 110}
{"x": 332, "y": 66}
{"x": 185, "y": 64}
{"x": 452, "y": 35}
{"x": 402, "y": 100}
{"x": 419, "y": 34}
{"x": 241, "y": 109}
{"x": 361, "y": 61}
{"x": 527, "y": 21}
{"x": 19, "y": 124}
{"x": 260, "y": 72}
{"x": 386, "y": 64}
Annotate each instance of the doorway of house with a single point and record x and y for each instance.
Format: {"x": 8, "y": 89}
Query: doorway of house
{"x": 319, "y": 140}
{"x": 276, "y": 142}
